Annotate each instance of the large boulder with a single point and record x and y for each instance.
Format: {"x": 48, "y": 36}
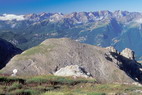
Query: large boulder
{"x": 72, "y": 70}
{"x": 53, "y": 55}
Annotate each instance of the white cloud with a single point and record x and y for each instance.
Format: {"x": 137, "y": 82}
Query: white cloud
{"x": 12, "y": 17}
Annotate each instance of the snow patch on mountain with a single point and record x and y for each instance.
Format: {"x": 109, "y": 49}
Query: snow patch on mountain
{"x": 12, "y": 17}
{"x": 139, "y": 20}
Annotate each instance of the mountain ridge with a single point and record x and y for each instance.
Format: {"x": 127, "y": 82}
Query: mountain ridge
{"x": 77, "y": 17}
{"x": 120, "y": 29}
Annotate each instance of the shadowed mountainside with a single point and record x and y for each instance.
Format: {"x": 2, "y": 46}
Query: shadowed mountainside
{"x": 7, "y": 51}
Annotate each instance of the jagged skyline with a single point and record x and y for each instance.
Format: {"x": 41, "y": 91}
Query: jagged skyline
{"x": 66, "y": 6}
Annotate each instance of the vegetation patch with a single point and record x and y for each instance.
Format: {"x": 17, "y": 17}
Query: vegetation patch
{"x": 42, "y": 49}
{"x": 59, "y": 80}
{"x": 55, "y": 85}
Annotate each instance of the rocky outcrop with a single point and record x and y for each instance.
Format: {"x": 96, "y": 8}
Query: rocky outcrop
{"x": 130, "y": 65}
{"x": 111, "y": 49}
{"x": 53, "y": 55}
{"x": 128, "y": 53}
{"x": 72, "y": 70}
{"x": 7, "y": 51}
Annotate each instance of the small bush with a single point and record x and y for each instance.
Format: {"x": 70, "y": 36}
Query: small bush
{"x": 16, "y": 92}
{"x": 43, "y": 88}
{"x": 37, "y": 80}
{"x": 62, "y": 93}
{"x": 32, "y": 92}
{"x": 94, "y": 93}
{"x": 24, "y": 92}
{"x": 15, "y": 86}
{"x": 53, "y": 93}
{"x": 10, "y": 79}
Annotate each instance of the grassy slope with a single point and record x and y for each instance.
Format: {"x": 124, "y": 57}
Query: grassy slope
{"x": 53, "y": 85}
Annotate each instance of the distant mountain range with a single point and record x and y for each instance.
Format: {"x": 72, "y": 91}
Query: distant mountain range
{"x": 121, "y": 29}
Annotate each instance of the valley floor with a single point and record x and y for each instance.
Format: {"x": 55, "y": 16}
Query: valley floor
{"x": 53, "y": 85}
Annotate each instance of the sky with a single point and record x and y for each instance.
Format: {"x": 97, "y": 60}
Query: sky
{"x": 67, "y": 6}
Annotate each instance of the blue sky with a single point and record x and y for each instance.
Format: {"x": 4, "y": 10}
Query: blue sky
{"x": 67, "y": 6}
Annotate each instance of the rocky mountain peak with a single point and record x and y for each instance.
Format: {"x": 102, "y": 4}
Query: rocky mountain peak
{"x": 43, "y": 14}
{"x": 30, "y": 16}
{"x": 104, "y": 13}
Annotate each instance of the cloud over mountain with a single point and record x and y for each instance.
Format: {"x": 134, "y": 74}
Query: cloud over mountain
{"x": 12, "y": 17}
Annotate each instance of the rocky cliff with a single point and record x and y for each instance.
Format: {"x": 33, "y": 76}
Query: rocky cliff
{"x": 106, "y": 65}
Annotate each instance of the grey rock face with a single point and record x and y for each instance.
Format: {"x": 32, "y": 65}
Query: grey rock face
{"x": 54, "y": 54}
